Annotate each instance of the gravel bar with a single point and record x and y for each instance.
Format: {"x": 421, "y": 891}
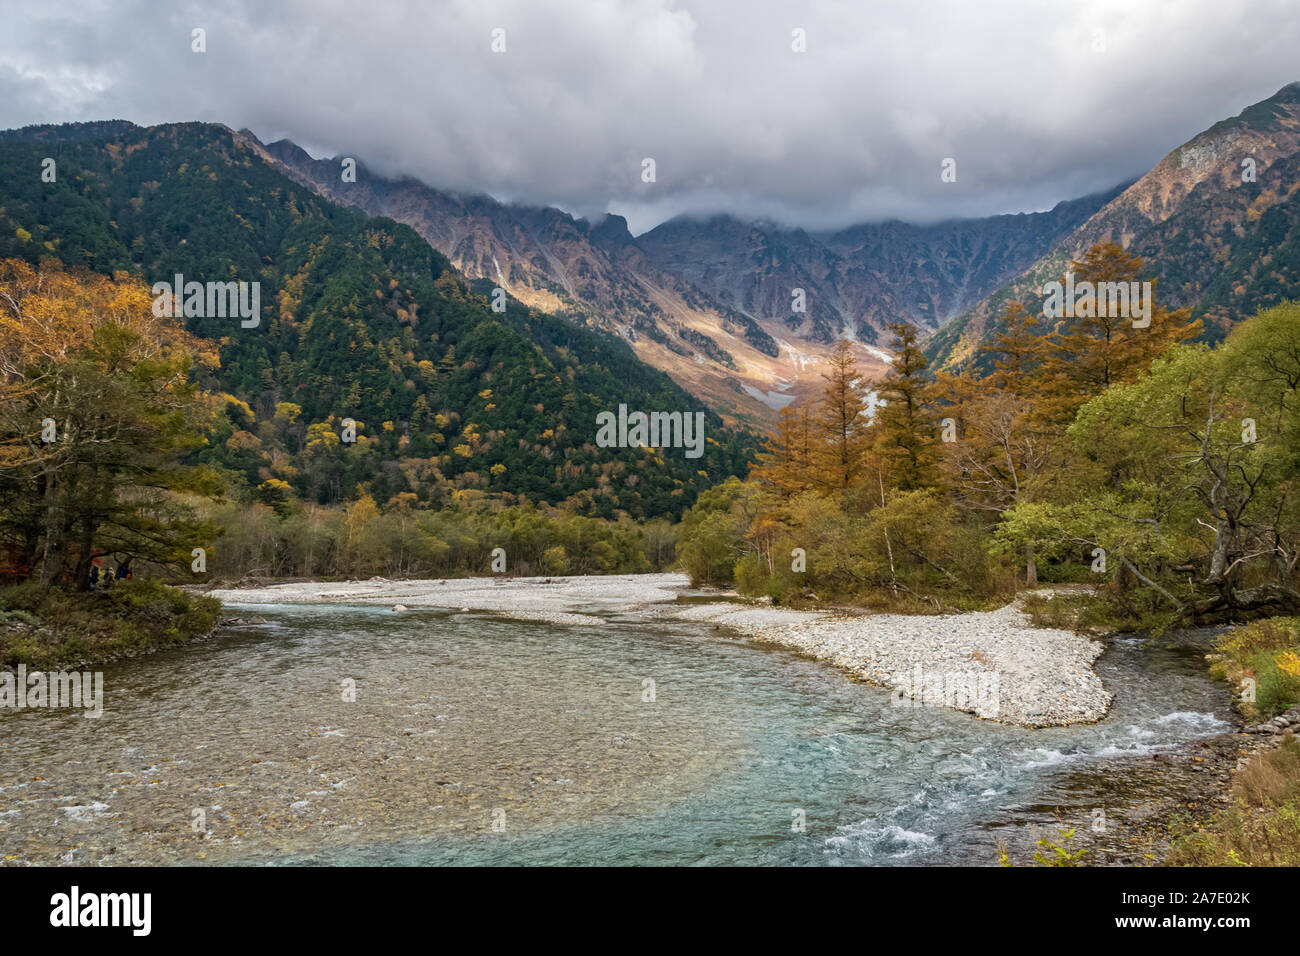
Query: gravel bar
{"x": 992, "y": 664}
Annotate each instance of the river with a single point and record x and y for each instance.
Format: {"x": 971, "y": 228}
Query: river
{"x": 480, "y": 740}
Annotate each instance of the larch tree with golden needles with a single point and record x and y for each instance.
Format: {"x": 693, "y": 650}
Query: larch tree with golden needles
{"x": 841, "y": 423}
{"x": 1017, "y": 350}
{"x": 1100, "y": 346}
{"x": 785, "y": 465}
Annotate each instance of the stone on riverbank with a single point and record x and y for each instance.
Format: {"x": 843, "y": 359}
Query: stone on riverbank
{"x": 993, "y": 664}
{"x": 1041, "y": 677}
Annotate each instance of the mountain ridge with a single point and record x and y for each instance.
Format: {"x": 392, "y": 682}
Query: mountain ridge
{"x": 360, "y": 318}
{"x": 711, "y": 300}
{"x": 1217, "y": 242}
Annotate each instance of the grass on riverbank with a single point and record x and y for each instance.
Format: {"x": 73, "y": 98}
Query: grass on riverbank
{"x": 1100, "y": 610}
{"x": 1267, "y": 653}
{"x": 49, "y": 628}
{"x": 1262, "y": 828}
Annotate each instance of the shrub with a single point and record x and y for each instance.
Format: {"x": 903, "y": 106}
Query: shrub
{"x": 1051, "y": 852}
{"x": 1263, "y": 651}
{"x": 709, "y": 551}
{"x": 1262, "y": 828}
{"x": 21, "y": 617}
{"x": 750, "y": 574}
{"x": 149, "y": 597}
{"x": 776, "y": 589}
{"x": 27, "y": 596}
{"x": 1275, "y": 689}
{"x": 1267, "y": 634}
{"x": 1059, "y": 852}
{"x": 140, "y": 614}
{"x": 554, "y": 560}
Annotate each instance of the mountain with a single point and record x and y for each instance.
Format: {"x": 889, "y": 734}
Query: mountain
{"x": 1219, "y": 241}
{"x": 711, "y": 301}
{"x": 360, "y": 318}
{"x": 859, "y": 278}
{"x": 590, "y": 274}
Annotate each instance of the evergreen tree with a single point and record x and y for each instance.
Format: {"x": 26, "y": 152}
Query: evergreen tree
{"x": 905, "y": 431}
{"x": 786, "y": 463}
{"x": 1017, "y": 349}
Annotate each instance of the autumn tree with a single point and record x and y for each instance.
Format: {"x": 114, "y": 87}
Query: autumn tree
{"x": 1100, "y": 346}
{"x": 904, "y": 432}
{"x": 1001, "y": 459}
{"x": 785, "y": 465}
{"x": 1001, "y": 454}
{"x": 1189, "y": 475}
{"x": 840, "y": 423}
{"x": 1017, "y": 350}
{"x": 96, "y": 411}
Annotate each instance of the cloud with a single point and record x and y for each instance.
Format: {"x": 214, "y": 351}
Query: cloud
{"x": 853, "y": 129}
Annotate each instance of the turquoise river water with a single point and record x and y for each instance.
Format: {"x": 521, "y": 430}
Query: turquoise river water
{"x": 474, "y": 739}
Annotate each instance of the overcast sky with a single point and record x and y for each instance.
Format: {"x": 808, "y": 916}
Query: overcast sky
{"x": 854, "y": 129}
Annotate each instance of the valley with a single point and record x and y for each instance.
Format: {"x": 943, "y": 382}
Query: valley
{"x": 740, "y": 521}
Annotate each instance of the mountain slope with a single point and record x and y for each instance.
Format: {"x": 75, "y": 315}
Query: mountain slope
{"x": 591, "y": 274}
{"x": 859, "y": 278}
{"x": 711, "y": 301}
{"x": 1220, "y": 245}
{"x": 360, "y": 318}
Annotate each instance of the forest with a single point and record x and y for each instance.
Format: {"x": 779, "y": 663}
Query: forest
{"x": 1088, "y": 451}
{"x": 383, "y": 418}
{"x": 363, "y": 321}
{"x": 111, "y": 449}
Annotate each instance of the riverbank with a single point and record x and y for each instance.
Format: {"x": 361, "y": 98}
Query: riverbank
{"x": 1165, "y": 794}
{"x": 459, "y": 715}
{"x": 991, "y": 664}
{"x": 1183, "y": 804}
{"x": 1226, "y": 799}
{"x": 54, "y": 629}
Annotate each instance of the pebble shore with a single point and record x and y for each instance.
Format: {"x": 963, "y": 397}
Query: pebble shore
{"x": 1288, "y": 722}
{"x": 1002, "y": 668}
{"x": 991, "y": 664}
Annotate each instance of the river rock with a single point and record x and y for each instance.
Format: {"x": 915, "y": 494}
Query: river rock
{"x": 1034, "y": 677}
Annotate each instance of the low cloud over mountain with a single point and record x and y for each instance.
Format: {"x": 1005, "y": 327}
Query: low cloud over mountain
{"x": 1035, "y": 105}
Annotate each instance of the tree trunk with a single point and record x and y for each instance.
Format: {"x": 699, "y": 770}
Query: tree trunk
{"x": 1031, "y": 567}
{"x": 52, "y": 559}
{"x": 1230, "y": 600}
{"x": 81, "y": 577}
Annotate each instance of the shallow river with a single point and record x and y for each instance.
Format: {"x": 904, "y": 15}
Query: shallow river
{"x": 479, "y": 740}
